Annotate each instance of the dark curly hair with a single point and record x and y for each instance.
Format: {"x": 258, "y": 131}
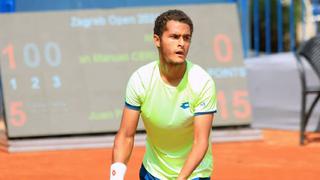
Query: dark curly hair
{"x": 175, "y": 15}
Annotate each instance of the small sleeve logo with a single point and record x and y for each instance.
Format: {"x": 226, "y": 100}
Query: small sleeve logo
{"x": 185, "y": 105}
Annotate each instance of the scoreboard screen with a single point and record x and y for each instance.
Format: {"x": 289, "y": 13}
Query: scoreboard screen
{"x": 66, "y": 72}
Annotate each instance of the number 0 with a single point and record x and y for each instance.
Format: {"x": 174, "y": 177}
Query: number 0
{"x": 53, "y": 59}
{"x": 221, "y": 42}
{"x": 31, "y": 55}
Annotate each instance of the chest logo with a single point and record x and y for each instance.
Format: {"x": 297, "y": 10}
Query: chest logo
{"x": 185, "y": 105}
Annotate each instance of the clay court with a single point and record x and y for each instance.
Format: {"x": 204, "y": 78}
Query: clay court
{"x": 276, "y": 156}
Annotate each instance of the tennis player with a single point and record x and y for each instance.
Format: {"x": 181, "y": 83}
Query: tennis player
{"x": 177, "y": 101}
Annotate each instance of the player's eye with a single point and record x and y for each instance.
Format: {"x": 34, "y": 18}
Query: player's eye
{"x": 187, "y": 38}
{"x": 175, "y": 36}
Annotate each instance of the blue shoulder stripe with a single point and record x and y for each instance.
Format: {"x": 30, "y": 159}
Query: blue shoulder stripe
{"x": 137, "y": 108}
{"x": 201, "y": 113}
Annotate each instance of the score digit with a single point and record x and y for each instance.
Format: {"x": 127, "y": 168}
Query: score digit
{"x": 10, "y": 52}
{"x": 17, "y": 116}
{"x": 220, "y": 41}
{"x": 222, "y": 102}
{"x": 55, "y": 59}
{"x": 31, "y": 55}
{"x": 240, "y": 101}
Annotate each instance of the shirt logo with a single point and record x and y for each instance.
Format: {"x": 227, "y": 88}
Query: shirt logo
{"x": 203, "y": 104}
{"x": 185, "y": 105}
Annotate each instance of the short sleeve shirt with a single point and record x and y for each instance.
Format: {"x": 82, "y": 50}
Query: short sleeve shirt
{"x": 167, "y": 113}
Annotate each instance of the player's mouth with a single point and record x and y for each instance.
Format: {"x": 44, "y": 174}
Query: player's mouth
{"x": 180, "y": 53}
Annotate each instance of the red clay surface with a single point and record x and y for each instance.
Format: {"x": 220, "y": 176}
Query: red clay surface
{"x": 277, "y": 156}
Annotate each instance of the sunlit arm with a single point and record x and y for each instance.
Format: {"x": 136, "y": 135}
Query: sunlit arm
{"x": 202, "y": 129}
{"x": 124, "y": 140}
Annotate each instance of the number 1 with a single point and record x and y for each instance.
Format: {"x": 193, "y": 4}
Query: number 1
{"x": 9, "y": 51}
{"x": 222, "y": 102}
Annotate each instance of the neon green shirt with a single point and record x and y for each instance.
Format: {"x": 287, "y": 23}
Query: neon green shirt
{"x": 167, "y": 113}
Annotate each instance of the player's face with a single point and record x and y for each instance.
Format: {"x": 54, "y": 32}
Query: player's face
{"x": 174, "y": 43}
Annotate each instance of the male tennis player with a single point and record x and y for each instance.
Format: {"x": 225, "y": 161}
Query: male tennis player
{"x": 176, "y": 100}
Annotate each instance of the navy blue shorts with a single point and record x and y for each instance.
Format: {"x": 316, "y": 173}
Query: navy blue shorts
{"x": 145, "y": 175}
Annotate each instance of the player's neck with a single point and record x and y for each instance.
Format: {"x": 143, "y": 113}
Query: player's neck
{"x": 172, "y": 74}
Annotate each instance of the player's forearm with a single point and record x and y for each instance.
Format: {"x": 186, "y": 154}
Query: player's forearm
{"x": 122, "y": 148}
{"x": 195, "y": 156}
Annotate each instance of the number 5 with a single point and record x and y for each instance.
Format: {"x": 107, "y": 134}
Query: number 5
{"x": 240, "y": 100}
{"x": 17, "y": 116}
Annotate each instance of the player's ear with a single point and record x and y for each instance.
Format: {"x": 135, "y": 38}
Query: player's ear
{"x": 156, "y": 40}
